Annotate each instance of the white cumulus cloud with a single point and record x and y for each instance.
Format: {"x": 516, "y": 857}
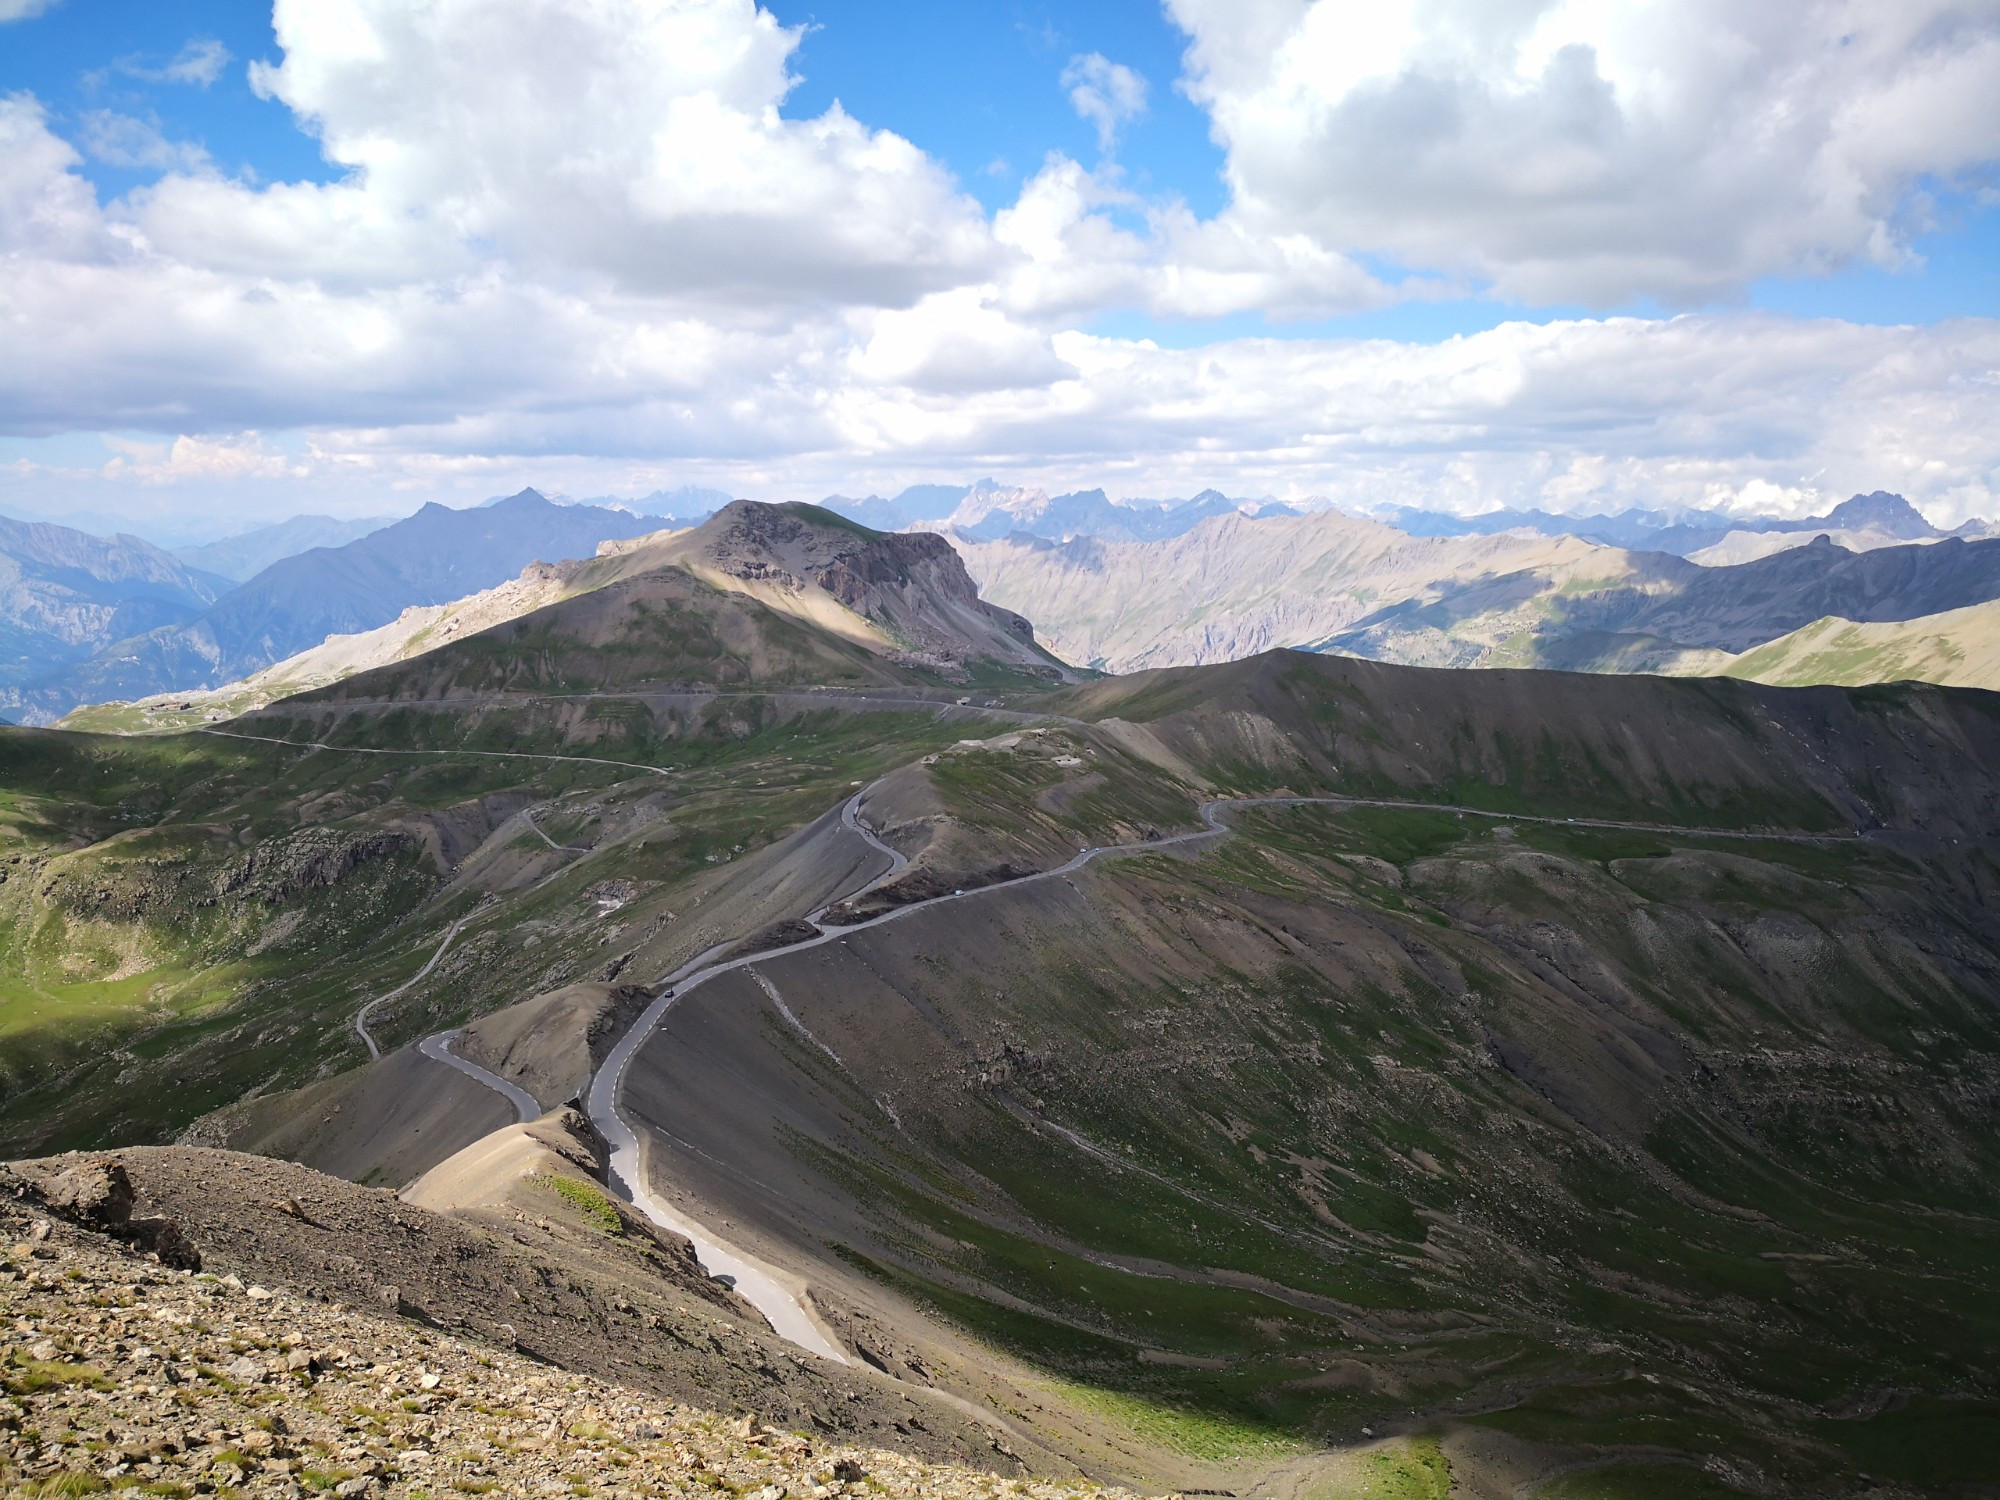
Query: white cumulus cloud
{"x": 630, "y": 141}
{"x": 1598, "y": 150}
{"x": 1107, "y": 94}
{"x": 582, "y": 245}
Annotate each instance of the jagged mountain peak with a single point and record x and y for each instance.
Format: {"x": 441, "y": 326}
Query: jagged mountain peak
{"x": 1880, "y": 511}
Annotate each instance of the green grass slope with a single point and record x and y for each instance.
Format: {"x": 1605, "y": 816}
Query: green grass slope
{"x": 1959, "y": 648}
{"x": 1697, "y": 752}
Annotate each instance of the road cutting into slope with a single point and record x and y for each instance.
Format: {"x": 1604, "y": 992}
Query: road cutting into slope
{"x": 438, "y": 1049}
{"x": 361, "y": 1016}
{"x": 767, "y": 1289}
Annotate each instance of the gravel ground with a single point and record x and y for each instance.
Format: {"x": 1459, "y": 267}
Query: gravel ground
{"x": 126, "y": 1374}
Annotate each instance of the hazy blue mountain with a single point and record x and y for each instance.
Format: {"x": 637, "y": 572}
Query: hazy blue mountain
{"x": 1092, "y": 513}
{"x": 245, "y": 555}
{"x": 1678, "y": 532}
{"x": 690, "y": 504}
{"x": 1880, "y": 511}
{"x": 433, "y": 557}
{"x": 65, "y": 593}
{"x": 919, "y": 502}
{"x": 988, "y": 510}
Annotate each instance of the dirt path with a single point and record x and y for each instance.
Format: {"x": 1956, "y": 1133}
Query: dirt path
{"x": 528, "y": 817}
{"x": 1507, "y": 817}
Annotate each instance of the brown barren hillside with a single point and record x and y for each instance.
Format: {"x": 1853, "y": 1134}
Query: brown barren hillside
{"x": 757, "y": 596}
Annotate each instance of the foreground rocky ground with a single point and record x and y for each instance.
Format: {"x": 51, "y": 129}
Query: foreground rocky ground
{"x": 126, "y": 1372}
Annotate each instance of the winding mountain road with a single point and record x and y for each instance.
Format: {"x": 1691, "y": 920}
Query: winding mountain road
{"x": 758, "y": 1284}
{"x": 437, "y": 1047}
{"x": 361, "y": 1016}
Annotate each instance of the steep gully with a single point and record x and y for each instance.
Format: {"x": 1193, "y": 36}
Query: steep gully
{"x": 786, "y": 1309}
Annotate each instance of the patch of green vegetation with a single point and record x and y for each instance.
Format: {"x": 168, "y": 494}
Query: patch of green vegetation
{"x": 1399, "y": 835}
{"x": 1196, "y": 1434}
{"x": 1414, "y": 1469}
{"x": 1931, "y": 1441}
{"x": 27, "y": 1377}
{"x": 1620, "y": 1413}
{"x": 1072, "y": 791}
{"x": 587, "y": 1198}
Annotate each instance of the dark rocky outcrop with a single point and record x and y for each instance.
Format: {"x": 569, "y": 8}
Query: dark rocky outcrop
{"x": 96, "y": 1193}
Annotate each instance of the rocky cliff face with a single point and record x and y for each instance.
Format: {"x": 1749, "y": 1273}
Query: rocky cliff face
{"x": 913, "y": 584}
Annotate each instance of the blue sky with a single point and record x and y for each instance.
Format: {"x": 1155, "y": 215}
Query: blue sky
{"x": 1452, "y": 223}
{"x": 978, "y": 86}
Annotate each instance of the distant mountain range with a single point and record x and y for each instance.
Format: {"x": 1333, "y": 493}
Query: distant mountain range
{"x": 1113, "y": 585}
{"x": 436, "y": 556}
{"x": 1663, "y": 609}
{"x": 65, "y": 594}
{"x": 1880, "y": 518}
{"x": 244, "y": 556}
{"x": 1233, "y": 586}
{"x": 987, "y": 511}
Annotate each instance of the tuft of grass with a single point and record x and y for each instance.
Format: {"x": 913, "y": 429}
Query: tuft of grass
{"x": 61, "y": 1486}
{"x": 38, "y": 1375}
{"x": 1412, "y": 1470}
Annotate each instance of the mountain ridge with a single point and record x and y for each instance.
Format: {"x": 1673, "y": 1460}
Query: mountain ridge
{"x": 65, "y": 593}
{"x": 757, "y": 594}
{"x": 432, "y": 557}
